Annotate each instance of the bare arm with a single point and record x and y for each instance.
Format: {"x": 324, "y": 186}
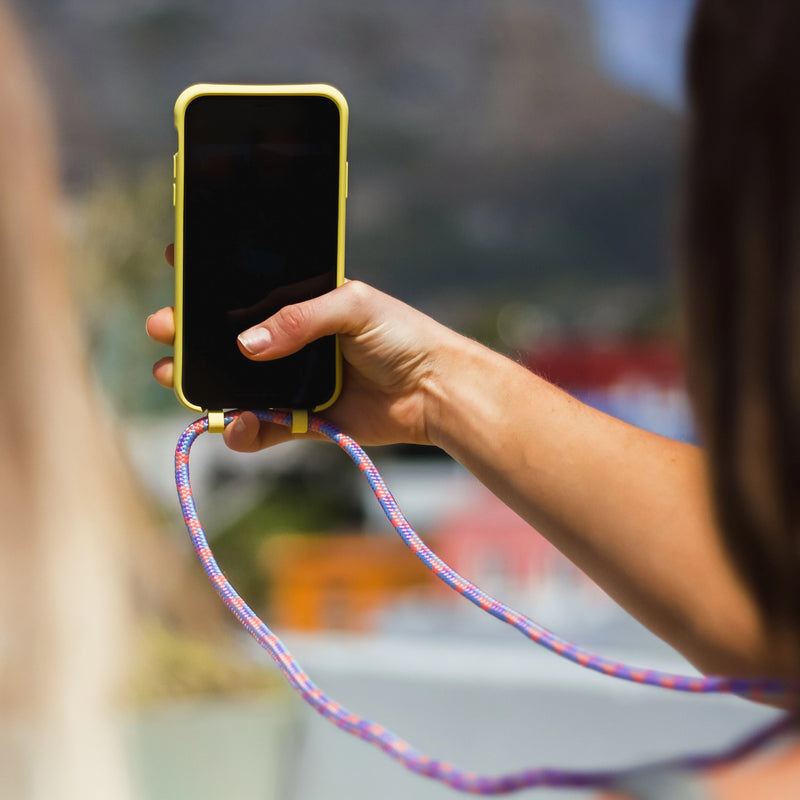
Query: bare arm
{"x": 629, "y": 508}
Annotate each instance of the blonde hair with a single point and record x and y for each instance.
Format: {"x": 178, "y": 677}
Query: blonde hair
{"x": 65, "y": 499}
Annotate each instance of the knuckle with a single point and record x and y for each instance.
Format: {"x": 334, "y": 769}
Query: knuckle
{"x": 292, "y": 321}
{"x": 357, "y": 289}
{"x": 357, "y": 294}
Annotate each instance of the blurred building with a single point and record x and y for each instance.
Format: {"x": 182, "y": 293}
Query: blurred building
{"x": 639, "y": 381}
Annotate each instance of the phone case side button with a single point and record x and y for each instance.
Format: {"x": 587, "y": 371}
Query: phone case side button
{"x": 175, "y": 165}
{"x": 174, "y": 193}
{"x": 346, "y": 179}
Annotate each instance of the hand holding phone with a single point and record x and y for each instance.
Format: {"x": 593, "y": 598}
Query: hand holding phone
{"x": 392, "y": 356}
{"x": 388, "y": 348}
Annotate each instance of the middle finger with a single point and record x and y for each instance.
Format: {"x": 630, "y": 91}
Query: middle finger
{"x": 161, "y": 326}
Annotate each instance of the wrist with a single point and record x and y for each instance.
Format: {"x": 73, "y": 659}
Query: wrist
{"x": 459, "y": 390}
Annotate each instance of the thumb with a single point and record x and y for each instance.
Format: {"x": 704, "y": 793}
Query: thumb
{"x": 342, "y": 310}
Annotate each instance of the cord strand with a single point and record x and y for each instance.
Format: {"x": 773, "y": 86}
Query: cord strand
{"x": 389, "y": 742}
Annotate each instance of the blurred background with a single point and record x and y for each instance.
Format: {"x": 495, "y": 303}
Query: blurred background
{"x": 515, "y": 171}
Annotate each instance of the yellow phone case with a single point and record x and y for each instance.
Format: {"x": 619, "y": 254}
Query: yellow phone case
{"x": 181, "y": 104}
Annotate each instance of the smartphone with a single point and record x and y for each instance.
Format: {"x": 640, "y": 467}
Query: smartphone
{"x": 259, "y": 194}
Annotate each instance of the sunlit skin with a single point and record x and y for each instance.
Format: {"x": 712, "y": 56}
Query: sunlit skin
{"x": 630, "y": 508}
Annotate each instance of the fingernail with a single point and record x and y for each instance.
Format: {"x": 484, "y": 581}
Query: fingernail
{"x": 255, "y": 340}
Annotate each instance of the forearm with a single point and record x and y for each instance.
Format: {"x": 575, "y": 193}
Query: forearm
{"x": 628, "y": 507}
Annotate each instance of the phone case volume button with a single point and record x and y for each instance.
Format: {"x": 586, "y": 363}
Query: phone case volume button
{"x": 174, "y": 193}
{"x": 175, "y": 165}
{"x": 346, "y": 179}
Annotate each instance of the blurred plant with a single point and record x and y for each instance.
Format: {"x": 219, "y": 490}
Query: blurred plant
{"x": 171, "y": 665}
{"x": 318, "y": 501}
{"x": 118, "y": 229}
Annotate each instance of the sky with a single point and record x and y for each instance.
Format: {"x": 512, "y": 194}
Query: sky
{"x": 639, "y": 44}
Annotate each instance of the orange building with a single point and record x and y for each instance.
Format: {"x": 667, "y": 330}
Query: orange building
{"x": 337, "y": 581}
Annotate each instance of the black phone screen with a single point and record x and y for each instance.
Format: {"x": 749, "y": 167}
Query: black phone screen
{"x": 260, "y": 231}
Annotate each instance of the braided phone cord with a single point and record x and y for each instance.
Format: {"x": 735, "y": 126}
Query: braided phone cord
{"x": 385, "y": 739}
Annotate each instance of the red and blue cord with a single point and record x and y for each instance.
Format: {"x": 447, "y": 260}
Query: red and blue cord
{"x": 385, "y": 739}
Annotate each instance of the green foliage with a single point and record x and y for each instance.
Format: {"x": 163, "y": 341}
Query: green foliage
{"x": 119, "y": 229}
{"x": 296, "y": 503}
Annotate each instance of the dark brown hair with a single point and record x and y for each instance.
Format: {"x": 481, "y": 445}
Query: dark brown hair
{"x": 742, "y": 284}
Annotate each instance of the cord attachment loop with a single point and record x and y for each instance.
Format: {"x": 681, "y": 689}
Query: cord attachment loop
{"x": 216, "y": 421}
{"x": 299, "y": 421}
